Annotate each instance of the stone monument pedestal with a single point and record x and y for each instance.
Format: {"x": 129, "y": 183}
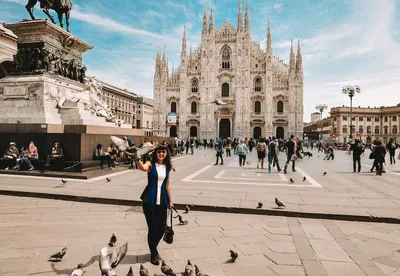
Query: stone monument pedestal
{"x": 47, "y": 97}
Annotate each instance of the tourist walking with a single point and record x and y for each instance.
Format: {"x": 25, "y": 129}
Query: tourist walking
{"x": 357, "y": 147}
{"x": 261, "y": 151}
{"x": 219, "y": 147}
{"x": 273, "y": 150}
{"x": 379, "y": 155}
{"x": 290, "y": 151}
{"x": 156, "y": 197}
{"x": 391, "y": 146}
{"x": 242, "y": 150}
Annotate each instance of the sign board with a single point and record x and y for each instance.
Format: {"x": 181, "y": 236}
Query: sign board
{"x": 171, "y": 119}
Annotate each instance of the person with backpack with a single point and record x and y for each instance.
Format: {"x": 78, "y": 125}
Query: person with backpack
{"x": 261, "y": 152}
{"x": 273, "y": 151}
{"x": 357, "y": 147}
{"x": 391, "y": 146}
{"x": 241, "y": 151}
{"x": 219, "y": 146}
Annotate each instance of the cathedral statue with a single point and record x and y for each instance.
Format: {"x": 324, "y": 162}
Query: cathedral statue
{"x": 61, "y": 7}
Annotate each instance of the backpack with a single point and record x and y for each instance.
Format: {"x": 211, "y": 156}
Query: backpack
{"x": 393, "y": 146}
{"x": 260, "y": 147}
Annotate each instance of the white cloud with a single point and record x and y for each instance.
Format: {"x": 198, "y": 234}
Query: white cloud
{"x": 278, "y": 6}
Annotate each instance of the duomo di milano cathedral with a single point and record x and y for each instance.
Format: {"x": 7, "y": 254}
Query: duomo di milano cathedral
{"x": 264, "y": 95}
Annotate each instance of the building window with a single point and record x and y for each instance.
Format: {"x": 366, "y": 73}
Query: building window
{"x": 369, "y": 130}
{"x": 257, "y": 84}
{"x": 334, "y": 119}
{"x": 147, "y": 124}
{"x": 353, "y": 118}
{"x": 195, "y": 85}
{"x": 394, "y": 119}
{"x": 386, "y": 118}
{"x": 344, "y": 118}
{"x": 226, "y": 57}
{"x": 377, "y": 130}
{"x": 360, "y": 119}
{"x": 368, "y": 119}
{"x": 376, "y": 119}
{"x": 173, "y": 107}
{"x": 138, "y": 124}
{"x": 344, "y": 129}
{"x": 193, "y": 108}
{"x": 394, "y": 129}
{"x": 225, "y": 90}
{"x": 257, "y": 107}
{"x": 279, "y": 107}
{"x": 361, "y": 129}
{"x": 385, "y": 129}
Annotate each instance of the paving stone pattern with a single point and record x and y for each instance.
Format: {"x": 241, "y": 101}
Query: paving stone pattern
{"x": 33, "y": 229}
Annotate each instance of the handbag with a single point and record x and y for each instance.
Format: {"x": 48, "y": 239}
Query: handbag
{"x": 372, "y": 155}
{"x": 169, "y": 233}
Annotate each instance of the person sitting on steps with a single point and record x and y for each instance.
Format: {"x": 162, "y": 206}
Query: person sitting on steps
{"x": 55, "y": 156}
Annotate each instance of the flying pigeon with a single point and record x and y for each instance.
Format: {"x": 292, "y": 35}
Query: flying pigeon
{"x": 291, "y": 180}
{"x": 110, "y": 258}
{"x": 108, "y": 179}
{"x": 78, "y": 271}
{"x": 113, "y": 240}
{"x": 63, "y": 181}
{"x": 234, "y": 255}
{"x": 182, "y": 221}
{"x": 260, "y": 205}
{"x": 173, "y": 169}
{"x": 219, "y": 102}
{"x": 166, "y": 269}
{"x": 18, "y": 121}
{"x": 189, "y": 269}
{"x": 130, "y": 272}
{"x": 324, "y": 173}
{"x": 198, "y": 272}
{"x": 59, "y": 255}
{"x": 304, "y": 178}
{"x": 143, "y": 271}
{"x": 187, "y": 209}
{"x": 280, "y": 204}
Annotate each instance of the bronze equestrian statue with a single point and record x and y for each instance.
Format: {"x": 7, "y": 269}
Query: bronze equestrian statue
{"x": 59, "y": 6}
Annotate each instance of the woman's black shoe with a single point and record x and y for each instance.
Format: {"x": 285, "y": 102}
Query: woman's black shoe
{"x": 154, "y": 260}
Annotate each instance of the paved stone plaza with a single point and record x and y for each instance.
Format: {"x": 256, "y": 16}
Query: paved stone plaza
{"x": 32, "y": 228}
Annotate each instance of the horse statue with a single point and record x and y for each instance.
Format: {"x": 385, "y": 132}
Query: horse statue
{"x": 59, "y": 6}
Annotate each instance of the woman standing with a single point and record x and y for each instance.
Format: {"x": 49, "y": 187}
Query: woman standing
{"x": 156, "y": 197}
{"x": 379, "y": 157}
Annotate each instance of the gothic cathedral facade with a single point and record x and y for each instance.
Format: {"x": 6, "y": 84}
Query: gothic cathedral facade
{"x": 261, "y": 95}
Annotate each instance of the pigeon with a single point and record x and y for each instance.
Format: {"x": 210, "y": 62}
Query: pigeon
{"x": 304, "y": 178}
{"x": 234, "y": 255}
{"x": 130, "y": 272}
{"x": 189, "y": 269}
{"x": 110, "y": 258}
{"x": 198, "y": 272}
{"x": 143, "y": 271}
{"x": 260, "y": 205}
{"x": 182, "y": 221}
{"x": 59, "y": 255}
{"x": 324, "y": 173}
{"x": 166, "y": 269}
{"x": 113, "y": 240}
{"x": 280, "y": 204}
{"x": 219, "y": 102}
{"x": 174, "y": 169}
{"x": 18, "y": 121}
{"x": 187, "y": 209}
{"x": 63, "y": 181}
{"x": 78, "y": 271}
{"x": 291, "y": 180}
{"x": 108, "y": 179}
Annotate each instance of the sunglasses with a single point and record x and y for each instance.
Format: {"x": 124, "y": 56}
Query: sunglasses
{"x": 161, "y": 151}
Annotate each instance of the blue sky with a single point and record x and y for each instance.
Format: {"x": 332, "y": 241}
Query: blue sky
{"x": 343, "y": 41}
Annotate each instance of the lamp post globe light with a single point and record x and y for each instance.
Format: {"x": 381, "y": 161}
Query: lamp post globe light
{"x": 321, "y": 108}
{"x": 351, "y": 91}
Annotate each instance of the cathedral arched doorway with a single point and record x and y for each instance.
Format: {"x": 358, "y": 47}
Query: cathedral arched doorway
{"x": 280, "y": 133}
{"x": 257, "y": 132}
{"x": 193, "y": 131}
{"x": 225, "y": 128}
{"x": 173, "y": 131}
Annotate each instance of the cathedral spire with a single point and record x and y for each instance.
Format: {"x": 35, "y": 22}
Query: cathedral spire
{"x": 205, "y": 28}
{"x": 240, "y": 18}
{"x": 247, "y": 18}
{"x": 211, "y": 29}
{"x": 269, "y": 38}
{"x": 299, "y": 61}
{"x": 292, "y": 63}
{"x": 184, "y": 47}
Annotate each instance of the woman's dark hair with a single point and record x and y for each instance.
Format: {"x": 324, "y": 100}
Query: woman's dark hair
{"x": 167, "y": 160}
{"x": 99, "y": 146}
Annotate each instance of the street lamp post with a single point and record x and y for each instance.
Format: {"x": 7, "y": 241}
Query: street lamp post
{"x": 321, "y": 108}
{"x": 351, "y": 91}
